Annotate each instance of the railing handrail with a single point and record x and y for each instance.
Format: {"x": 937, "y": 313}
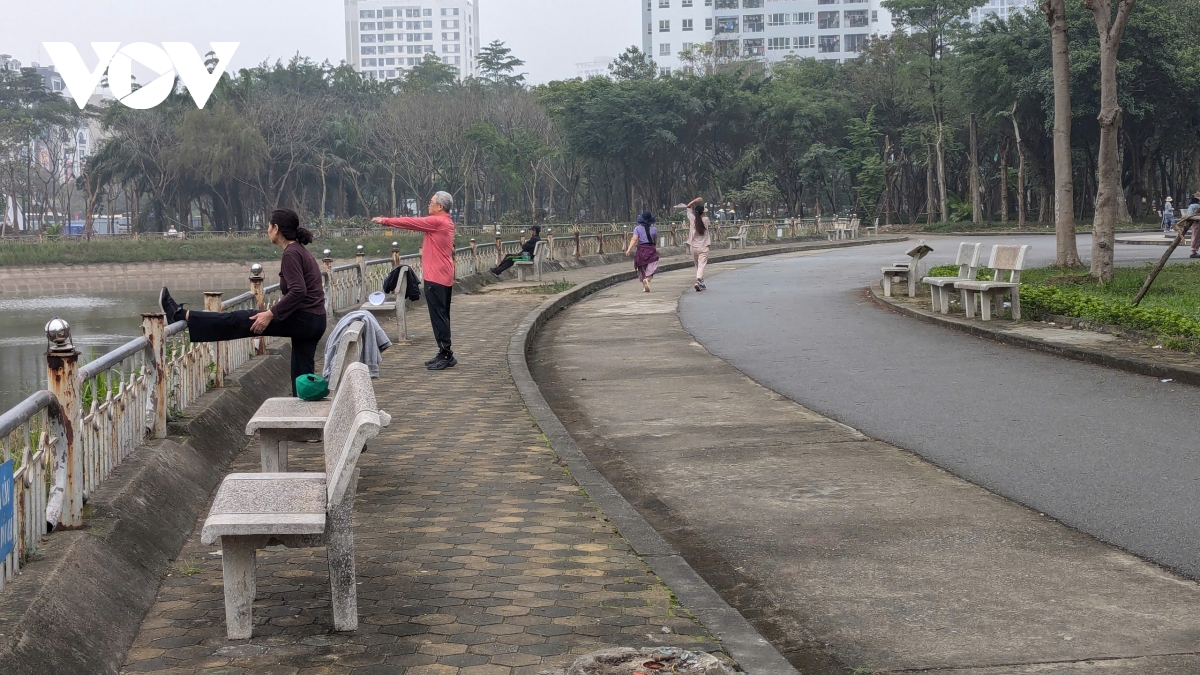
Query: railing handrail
{"x": 343, "y": 268}
{"x": 112, "y": 358}
{"x": 237, "y": 300}
{"x": 14, "y": 417}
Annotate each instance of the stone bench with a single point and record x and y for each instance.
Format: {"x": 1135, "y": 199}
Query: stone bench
{"x": 281, "y": 420}
{"x": 395, "y": 309}
{"x": 968, "y": 266}
{"x": 534, "y": 263}
{"x": 1010, "y": 259}
{"x": 739, "y": 240}
{"x": 298, "y": 510}
{"x": 907, "y": 270}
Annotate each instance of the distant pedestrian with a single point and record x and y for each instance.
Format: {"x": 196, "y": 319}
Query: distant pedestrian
{"x": 1192, "y": 210}
{"x": 699, "y": 239}
{"x": 437, "y": 268}
{"x": 645, "y": 239}
{"x": 1168, "y": 215}
{"x": 526, "y": 253}
{"x": 299, "y": 315}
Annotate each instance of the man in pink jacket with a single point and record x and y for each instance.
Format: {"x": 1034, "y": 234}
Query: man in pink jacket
{"x": 437, "y": 268}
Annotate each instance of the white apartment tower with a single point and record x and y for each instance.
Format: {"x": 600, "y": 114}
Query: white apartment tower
{"x": 999, "y": 8}
{"x": 833, "y": 30}
{"x": 384, "y": 38}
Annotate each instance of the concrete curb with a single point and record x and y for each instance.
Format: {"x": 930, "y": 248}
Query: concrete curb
{"x": 744, "y": 643}
{"x": 1129, "y": 364}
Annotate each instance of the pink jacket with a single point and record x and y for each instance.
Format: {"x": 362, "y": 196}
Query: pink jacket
{"x": 437, "y": 253}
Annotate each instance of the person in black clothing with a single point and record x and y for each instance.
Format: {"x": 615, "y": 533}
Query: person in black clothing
{"x": 299, "y": 315}
{"x": 526, "y": 249}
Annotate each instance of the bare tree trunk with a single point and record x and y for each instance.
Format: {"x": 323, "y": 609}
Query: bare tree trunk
{"x": 1122, "y": 206}
{"x": 1020, "y": 172}
{"x": 1067, "y": 251}
{"x": 976, "y": 205}
{"x": 929, "y": 199}
{"x": 941, "y": 170}
{"x": 1004, "y": 182}
{"x": 324, "y": 191}
{"x": 1104, "y": 224}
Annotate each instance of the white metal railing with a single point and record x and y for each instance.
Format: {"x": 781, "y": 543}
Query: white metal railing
{"x": 25, "y": 440}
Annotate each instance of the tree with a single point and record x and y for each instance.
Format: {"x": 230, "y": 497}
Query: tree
{"x": 430, "y": 74}
{"x": 1110, "y": 29}
{"x": 634, "y": 64}
{"x": 498, "y": 66}
{"x": 1066, "y": 250}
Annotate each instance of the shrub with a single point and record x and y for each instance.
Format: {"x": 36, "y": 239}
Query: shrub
{"x": 1069, "y": 301}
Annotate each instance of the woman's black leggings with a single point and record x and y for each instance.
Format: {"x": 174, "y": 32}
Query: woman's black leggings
{"x": 304, "y": 328}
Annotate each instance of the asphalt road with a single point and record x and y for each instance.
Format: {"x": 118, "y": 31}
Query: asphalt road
{"x": 1109, "y": 453}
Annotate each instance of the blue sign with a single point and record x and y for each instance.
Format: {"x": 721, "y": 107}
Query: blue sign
{"x": 7, "y": 534}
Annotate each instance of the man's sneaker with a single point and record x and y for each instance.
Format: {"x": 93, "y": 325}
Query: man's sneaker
{"x": 442, "y": 364}
{"x": 172, "y": 309}
{"x": 434, "y": 360}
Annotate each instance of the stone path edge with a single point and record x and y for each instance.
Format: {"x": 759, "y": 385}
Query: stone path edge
{"x": 1094, "y": 356}
{"x": 743, "y": 642}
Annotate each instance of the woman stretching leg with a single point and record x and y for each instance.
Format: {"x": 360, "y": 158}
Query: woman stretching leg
{"x": 299, "y": 315}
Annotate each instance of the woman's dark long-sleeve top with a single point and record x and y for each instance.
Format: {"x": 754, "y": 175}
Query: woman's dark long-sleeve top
{"x": 300, "y": 283}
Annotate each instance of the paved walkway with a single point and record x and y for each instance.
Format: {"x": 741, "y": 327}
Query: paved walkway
{"x": 477, "y": 553}
{"x": 844, "y": 551}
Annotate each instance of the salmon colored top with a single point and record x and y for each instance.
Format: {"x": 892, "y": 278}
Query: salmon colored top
{"x": 437, "y": 253}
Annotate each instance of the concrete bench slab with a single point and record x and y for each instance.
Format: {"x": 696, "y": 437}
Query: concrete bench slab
{"x": 534, "y": 263}
{"x": 968, "y": 266}
{"x": 1010, "y": 259}
{"x": 393, "y": 310}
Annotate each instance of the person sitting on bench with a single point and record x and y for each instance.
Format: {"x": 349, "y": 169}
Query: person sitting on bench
{"x": 527, "y": 250}
{"x": 299, "y": 315}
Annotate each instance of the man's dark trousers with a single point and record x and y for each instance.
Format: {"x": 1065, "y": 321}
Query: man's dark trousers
{"x": 437, "y": 297}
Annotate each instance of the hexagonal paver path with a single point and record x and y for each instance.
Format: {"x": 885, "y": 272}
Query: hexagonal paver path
{"x": 477, "y": 552}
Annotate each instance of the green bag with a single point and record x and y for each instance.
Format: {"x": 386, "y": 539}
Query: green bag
{"x": 311, "y": 387}
{"x": 524, "y": 257}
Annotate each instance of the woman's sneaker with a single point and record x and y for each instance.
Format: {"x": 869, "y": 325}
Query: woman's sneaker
{"x": 697, "y": 287}
{"x": 442, "y": 364}
{"x": 173, "y": 310}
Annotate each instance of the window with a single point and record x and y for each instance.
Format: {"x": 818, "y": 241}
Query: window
{"x": 753, "y": 23}
{"x": 856, "y": 19}
{"x": 366, "y": 14}
{"x": 451, "y": 37}
{"x": 827, "y": 20}
{"x": 752, "y": 4}
{"x": 366, "y": 25}
{"x": 874, "y": 16}
{"x": 753, "y": 47}
{"x": 390, "y": 62}
{"x": 451, "y": 49}
{"x": 649, "y": 29}
{"x": 368, "y": 63}
{"x": 664, "y": 49}
{"x": 427, "y": 49}
{"x": 855, "y": 43}
{"x": 428, "y": 36}
{"x": 727, "y": 24}
{"x": 688, "y": 47}
{"x": 664, "y": 26}
{"x": 727, "y": 4}
{"x": 726, "y": 49}
{"x": 412, "y": 25}
{"x": 429, "y": 12}
{"x": 664, "y": 72}
{"x": 450, "y": 23}
{"x": 412, "y": 13}
{"x": 805, "y": 42}
{"x": 366, "y": 50}
{"x": 387, "y": 50}
{"x": 802, "y": 18}
{"x": 387, "y": 25}
{"x": 427, "y": 24}
{"x": 779, "y": 19}
{"x": 388, "y": 13}
{"x": 664, "y": 4}
{"x": 687, "y": 25}
{"x": 369, "y": 37}
{"x": 687, "y": 3}
{"x": 708, "y": 24}
{"x": 390, "y": 37}
{"x": 827, "y": 2}
{"x": 776, "y": 44}
{"x": 829, "y": 43}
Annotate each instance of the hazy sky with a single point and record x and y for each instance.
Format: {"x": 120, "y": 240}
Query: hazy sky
{"x": 550, "y": 35}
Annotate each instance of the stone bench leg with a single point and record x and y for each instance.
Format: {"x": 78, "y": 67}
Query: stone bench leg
{"x": 968, "y": 299}
{"x": 985, "y": 304}
{"x": 887, "y": 285}
{"x": 401, "y": 320}
{"x": 238, "y": 567}
{"x": 339, "y": 542}
{"x": 273, "y": 449}
{"x": 1016, "y": 304}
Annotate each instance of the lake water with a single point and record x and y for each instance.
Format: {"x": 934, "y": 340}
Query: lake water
{"x": 99, "y": 323}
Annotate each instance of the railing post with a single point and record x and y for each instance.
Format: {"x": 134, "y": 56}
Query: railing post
{"x": 577, "y": 252}
{"x": 396, "y": 253}
{"x": 474, "y": 257}
{"x": 359, "y": 256}
{"x": 550, "y": 247}
{"x": 499, "y": 247}
{"x": 256, "y": 285}
{"x": 327, "y": 267}
{"x": 212, "y": 303}
{"x": 600, "y": 242}
{"x": 154, "y": 330}
{"x": 65, "y": 503}
{"x": 522, "y": 237}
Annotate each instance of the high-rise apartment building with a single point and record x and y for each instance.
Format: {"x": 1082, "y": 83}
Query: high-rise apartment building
{"x": 999, "y": 8}
{"x": 385, "y": 38}
{"x": 833, "y": 30}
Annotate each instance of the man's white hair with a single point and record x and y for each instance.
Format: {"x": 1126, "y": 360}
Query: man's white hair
{"x": 446, "y": 200}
